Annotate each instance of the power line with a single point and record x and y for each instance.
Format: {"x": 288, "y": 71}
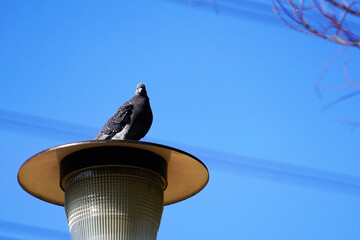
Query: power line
{"x": 233, "y": 163}
{"x": 20, "y": 122}
{"x": 251, "y": 10}
{"x": 12, "y": 231}
{"x": 286, "y": 173}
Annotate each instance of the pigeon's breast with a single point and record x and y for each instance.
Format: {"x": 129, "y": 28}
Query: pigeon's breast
{"x": 141, "y": 120}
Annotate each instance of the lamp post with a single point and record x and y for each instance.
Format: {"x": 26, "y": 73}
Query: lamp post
{"x": 113, "y": 189}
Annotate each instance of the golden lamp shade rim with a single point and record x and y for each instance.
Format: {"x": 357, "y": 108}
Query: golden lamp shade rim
{"x": 40, "y": 174}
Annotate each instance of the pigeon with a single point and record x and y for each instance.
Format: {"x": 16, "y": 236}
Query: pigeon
{"x": 131, "y": 121}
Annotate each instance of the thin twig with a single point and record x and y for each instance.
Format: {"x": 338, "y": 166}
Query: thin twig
{"x": 352, "y": 124}
{"x": 340, "y": 99}
{"x": 346, "y": 75}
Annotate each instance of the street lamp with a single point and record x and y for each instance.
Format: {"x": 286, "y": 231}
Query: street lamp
{"x": 113, "y": 189}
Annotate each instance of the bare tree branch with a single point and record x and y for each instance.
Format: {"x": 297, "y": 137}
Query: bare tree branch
{"x": 344, "y": 7}
{"x": 333, "y": 15}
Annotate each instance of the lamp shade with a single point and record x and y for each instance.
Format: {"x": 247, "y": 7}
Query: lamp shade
{"x": 40, "y": 174}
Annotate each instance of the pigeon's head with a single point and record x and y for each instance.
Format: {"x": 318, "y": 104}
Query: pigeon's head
{"x": 141, "y": 90}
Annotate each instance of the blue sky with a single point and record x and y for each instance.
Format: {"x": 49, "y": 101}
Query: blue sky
{"x": 234, "y": 87}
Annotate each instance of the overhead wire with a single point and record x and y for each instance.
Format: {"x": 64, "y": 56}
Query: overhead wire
{"x": 252, "y": 10}
{"x": 11, "y": 231}
{"x": 222, "y": 161}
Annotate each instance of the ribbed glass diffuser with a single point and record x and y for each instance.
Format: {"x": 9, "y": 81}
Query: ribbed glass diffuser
{"x": 114, "y": 203}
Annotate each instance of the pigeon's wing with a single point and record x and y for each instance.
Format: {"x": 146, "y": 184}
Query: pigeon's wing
{"x": 117, "y": 122}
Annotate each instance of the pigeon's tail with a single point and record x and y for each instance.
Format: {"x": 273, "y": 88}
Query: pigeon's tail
{"x": 101, "y": 136}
